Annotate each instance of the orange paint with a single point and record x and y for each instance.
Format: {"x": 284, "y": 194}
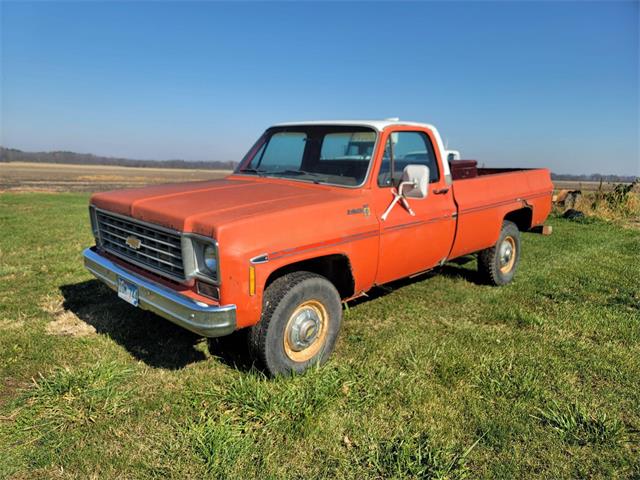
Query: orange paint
{"x": 291, "y": 221}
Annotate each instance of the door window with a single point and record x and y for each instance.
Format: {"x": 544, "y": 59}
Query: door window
{"x": 406, "y": 148}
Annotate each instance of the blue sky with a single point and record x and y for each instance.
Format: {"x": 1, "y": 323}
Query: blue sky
{"x": 527, "y": 84}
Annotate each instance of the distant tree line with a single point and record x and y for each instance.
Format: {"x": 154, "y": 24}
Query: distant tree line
{"x": 594, "y": 177}
{"x": 15, "y": 155}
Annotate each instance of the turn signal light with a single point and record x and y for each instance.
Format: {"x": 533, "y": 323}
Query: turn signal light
{"x": 252, "y": 280}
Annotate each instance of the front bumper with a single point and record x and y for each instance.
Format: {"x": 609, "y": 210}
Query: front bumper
{"x": 200, "y": 318}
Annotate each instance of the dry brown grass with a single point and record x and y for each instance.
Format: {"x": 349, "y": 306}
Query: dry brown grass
{"x": 64, "y": 321}
{"x": 53, "y": 177}
{"x": 609, "y": 201}
{"x": 627, "y": 211}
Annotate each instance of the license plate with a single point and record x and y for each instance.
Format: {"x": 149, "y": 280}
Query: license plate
{"x": 128, "y": 291}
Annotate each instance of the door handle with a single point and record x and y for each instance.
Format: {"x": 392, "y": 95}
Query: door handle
{"x": 440, "y": 191}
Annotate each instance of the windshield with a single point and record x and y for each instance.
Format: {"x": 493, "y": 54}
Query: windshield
{"x": 338, "y": 155}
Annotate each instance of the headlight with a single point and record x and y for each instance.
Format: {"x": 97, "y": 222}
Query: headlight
{"x": 210, "y": 259}
{"x": 200, "y": 257}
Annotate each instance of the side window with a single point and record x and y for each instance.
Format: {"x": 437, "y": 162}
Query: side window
{"x": 408, "y": 148}
{"x": 283, "y": 150}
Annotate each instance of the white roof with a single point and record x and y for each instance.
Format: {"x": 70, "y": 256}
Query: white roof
{"x": 380, "y": 125}
{"x": 375, "y": 124}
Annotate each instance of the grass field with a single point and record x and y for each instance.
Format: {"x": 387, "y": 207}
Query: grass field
{"x": 57, "y": 177}
{"x": 438, "y": 377}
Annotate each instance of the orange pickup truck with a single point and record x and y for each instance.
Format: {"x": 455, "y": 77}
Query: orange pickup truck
{"x": 315, "y": 214}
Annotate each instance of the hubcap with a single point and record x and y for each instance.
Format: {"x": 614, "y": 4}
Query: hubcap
{"x": 304, "y": 328}
{"x": 507, "y": 254}
{"x": 306, "y": 331}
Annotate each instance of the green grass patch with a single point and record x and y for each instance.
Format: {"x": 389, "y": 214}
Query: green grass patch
{"x": 577, "y": 425}
{"x": 67, "y": 398}
{"x": 438, "y": 377}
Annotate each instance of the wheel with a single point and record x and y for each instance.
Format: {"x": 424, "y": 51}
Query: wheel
{"x": 300, "y": 321}
{"x": 497, "y": 265}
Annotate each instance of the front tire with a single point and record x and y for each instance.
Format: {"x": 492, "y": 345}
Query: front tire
{"x": 497, "y": 265}
{"x": 299, "y": 326}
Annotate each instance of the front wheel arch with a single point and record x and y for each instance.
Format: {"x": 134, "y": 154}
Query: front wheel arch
{"x": 335, "y": 267}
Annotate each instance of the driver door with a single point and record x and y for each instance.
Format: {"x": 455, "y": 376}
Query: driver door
{"x": 410, "y": 244}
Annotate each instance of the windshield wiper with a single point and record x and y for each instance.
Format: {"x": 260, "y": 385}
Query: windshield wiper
{"x": 252, "y": 170}
{"x": 293, "y": 172}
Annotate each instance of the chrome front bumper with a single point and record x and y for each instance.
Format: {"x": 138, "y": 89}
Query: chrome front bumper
{"x": 200, "y": 318}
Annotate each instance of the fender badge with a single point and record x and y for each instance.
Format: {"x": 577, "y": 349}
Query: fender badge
{"x": 133, "y": 242}
{"x": 364, "y": 210}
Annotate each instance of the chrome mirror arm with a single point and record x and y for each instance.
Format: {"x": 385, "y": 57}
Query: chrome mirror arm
{"x": 398, "y": 197}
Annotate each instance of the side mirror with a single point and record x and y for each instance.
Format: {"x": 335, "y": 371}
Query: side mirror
{"x": 415, "y": 181}
{"x": 414, "y": 184}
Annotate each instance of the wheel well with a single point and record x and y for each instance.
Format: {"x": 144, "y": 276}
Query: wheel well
{"x": 336, "y": 268}
{"x": 521, "y": 217}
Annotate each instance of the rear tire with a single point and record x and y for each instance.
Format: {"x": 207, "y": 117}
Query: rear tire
{"x": 301, "y": 317}
{"x": 497, "y": 265}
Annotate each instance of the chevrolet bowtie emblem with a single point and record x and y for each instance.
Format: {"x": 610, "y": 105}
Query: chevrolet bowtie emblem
{"x": 133, "y": 242}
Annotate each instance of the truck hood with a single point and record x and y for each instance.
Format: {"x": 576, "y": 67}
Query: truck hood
{"x": 200, "y": 207}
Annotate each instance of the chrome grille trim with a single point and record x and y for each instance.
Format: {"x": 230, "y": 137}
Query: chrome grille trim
{"x": 146, "y": 246}
{"x": 140, "y": 235}
{"x": 160, "y": 248}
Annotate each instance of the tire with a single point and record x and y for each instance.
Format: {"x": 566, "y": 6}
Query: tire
{"x": 301, "y": 317}
{"x": 497, "y": 265}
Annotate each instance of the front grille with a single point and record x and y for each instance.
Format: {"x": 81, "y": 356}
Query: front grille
{"x": 158, "y": 250}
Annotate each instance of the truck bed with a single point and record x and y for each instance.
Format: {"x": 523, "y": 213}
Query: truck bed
{"x": 484, "y": 200}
